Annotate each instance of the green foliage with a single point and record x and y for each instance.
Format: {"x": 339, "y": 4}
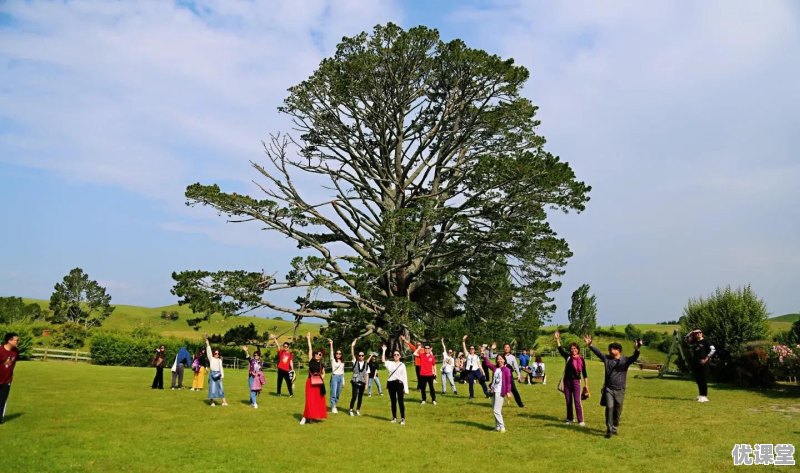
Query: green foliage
{"x": 169, "y": 315}
{"x": 242, "y": 335}
{"x": 112, "y": 348}
{"x": 25, "y": 338}
{"x": 15, "y": 310}
{"x": 434, "y": 163}
{"x": 69, "y": 335}
{"x": 583, "y": 313}
{"x": 791, "y": 336}
{"x": 729, "y": 319}
{"x": 80, "y": 300}
{"x": 632, "y": 333}
{"x": 489, "y": 303}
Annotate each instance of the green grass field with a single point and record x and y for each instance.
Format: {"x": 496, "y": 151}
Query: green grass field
{"x": 785, "y": 318}
{"x": 76, "y": 417}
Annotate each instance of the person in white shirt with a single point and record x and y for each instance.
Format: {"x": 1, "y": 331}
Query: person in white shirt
{"x": 337, "y": 376}
{"x": 396, "y": 383}
{"x": 448, "y": 367}
{"x": 473, "y": 369}
{"x": 215, "y": 376}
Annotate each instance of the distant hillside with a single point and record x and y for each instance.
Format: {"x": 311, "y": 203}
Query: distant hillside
{"x": 785, "y": 318}
{"x": 127, "y": 317}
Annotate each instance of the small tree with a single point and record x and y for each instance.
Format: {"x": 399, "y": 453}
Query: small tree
{"x": 14, "y": 309}
{"x": 729, "y": 319}
{"x": 583, "y": 313}
{"x": 632, "y": 333}
{"x": 80, "y": 300}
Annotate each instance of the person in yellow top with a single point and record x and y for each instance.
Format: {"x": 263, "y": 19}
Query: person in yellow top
{"x": 199, "y": 371}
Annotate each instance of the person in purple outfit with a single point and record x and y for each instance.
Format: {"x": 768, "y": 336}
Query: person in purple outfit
{"x": 500, "y": 387}
{"x": 573, "y": 372}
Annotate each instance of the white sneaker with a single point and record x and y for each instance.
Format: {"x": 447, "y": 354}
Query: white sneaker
{"x": 703, "y": 399}
{"x": 394, "y": 420}
{"x": 255, "y": 406}
{"x": 434, "y": 403}
{"x": 369, "y": 395}
{"x": 351, "y": 413}
{"x": 582, "y": 424}
{"x": 334, "y": 410}
{"x": 568, "y": 422}
{"x": 423, "y": 402}
{"x": 503, "y": 430}
{"x": 213, "y": 405}
{"x": 402, "y": 422}
{"x": 302, "y": 421}
{"x": 358, "y": 413}
{"x": 224, "y": 404}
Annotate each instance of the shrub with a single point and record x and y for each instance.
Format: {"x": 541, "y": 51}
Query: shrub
{"x": 25, "y": 339}
{"x": 69, "y": 335}
{"x": 753, "y": 367}
{"x": 785, "y": 361}
{"x": 632, "y": 333}
{"x": 113, "y": 348}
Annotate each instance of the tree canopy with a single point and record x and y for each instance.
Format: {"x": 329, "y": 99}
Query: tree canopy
{"x": 430, "y": 161}
{"x": 583, "y": 312}
{"x": 79, "y": 300}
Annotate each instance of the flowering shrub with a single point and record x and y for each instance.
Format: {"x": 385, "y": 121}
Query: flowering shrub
{"x": 785, "y": 361}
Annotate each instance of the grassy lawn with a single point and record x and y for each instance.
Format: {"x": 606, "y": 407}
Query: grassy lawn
{"x": 76, "y": 417}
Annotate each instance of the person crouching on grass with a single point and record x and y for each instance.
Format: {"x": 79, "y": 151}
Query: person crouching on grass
{"x": 215, "y": 376}
{"x": 315, "y": 407}
{"x": 500, "y": 387}
{"x": 702, "y": 351}
{"x": 573, "y": 371}
{"x": 616, "y": 369}
{"x": 396, "y": 383}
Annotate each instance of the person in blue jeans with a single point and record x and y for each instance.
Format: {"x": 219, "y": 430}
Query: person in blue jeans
{"x": 255, "y": 376}
{"x": 337, "y": 377}
{"x": 373, "y": 374}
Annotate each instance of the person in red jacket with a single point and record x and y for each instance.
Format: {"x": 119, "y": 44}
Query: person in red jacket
{"x": 413, "y": 349}
{"x": 427, "y": 371}
{"x": 9, "y": 353}
{"x": 285, "y": 367}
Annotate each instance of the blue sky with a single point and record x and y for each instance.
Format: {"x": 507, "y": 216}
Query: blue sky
{"x": 683, "y": 116}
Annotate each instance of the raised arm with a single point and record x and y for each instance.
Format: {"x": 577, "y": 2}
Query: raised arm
{"x": 333, "y": 358}
{"x": 310, "y": 354}
{"x": 598, "y": 353}
{"x": 636, "y": 347}
{"x": 444, "y": 348}
{"x": 383, "y": 354}
{"x": 246, "y": 352}
{"x": 489, "y": 363}
{"x": 557, "y": 336}
{"x": 209, "y": 353}
{"x": 464, "y": 345}
{"x": 353, "y": 351}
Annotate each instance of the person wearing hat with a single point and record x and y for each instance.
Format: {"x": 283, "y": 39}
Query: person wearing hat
{"x": 702, "y": 351}
{"x": 616, "y": 376}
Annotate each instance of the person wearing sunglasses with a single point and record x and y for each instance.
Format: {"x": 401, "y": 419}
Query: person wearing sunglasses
{"x": 255, "y": 375}
{"x": 285, "y": 366}
{"x": 427, "y": 371}
{"x": 359, "y": 379}
{"x": 315, "y": 407}
{"x": 473, "y": 369}
{"x": 396, "y": 383}
{"x": 215, "y": 376}
{"x": 337, "y": 376}
{"x": 448, "y": 368}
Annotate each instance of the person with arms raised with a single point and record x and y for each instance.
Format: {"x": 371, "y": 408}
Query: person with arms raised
{"x": 616, "y": 377}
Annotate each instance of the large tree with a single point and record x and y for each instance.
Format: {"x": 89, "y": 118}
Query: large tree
{"x": 582, "y": 314}
{"x": 79, "y": 300}
{"x": 430, "y": 159}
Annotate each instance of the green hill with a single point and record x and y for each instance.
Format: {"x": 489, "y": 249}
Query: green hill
{"x": 127, "y": 317}
{"x": 785, "y": 318}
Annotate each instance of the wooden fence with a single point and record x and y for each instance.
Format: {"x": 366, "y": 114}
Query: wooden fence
{"x": 46, "y": 353}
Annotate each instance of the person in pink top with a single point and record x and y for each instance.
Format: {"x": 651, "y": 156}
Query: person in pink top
{"x": 427, "y": 371}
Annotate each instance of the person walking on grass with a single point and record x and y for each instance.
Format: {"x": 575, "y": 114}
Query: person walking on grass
{"x": 9, "y": 354}
{"x": 182, "y": 360}
{"x": 448, "y": 369}
{"x": 473, "y": 369}
{"x": 315, "y": 407}
{"x": 574, "y": 370}
{"x": 199, "y": 370}
{"x": 427, "y": 371}
{"x": 396, "y": 383}
{"x": 337, "y": 377}
{"x": 158, "y": 363}
{"x": 285, "y": 367}
{"x": 701, "y": 351}
{"x": 501, "y": 387}
{"x": 616, "y": 375}
{"x": 215, "y": 376}
{"x": 255, "y": 375}
{"x": 373, "y": 365}
{"x": 359, "y": 379}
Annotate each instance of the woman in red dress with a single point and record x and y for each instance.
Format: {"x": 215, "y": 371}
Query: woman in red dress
{"x": 316, "y": 408}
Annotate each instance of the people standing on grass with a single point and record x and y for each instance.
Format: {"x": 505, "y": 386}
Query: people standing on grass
{"x": 315, "y": 407}
{"x": 701, "y": 352}
{"x": 448, "y": 368}
{"x": 199, "y": 370}
{"x": 285, "y": 367}
{"x": 427, "y": 371}
{"x": 396, "y": 383}
{"x": 337, "y": 376}
{"x": 182, "y": 360}
{"x": 574, "y": 370}
{"x": 255, "y": 375}
{"x": 373, "y": 365}
{"x": 501, "y": 387}
{"x": 524, "y": 361}
{"x": 158, "y": 363}
{"x": 9, "y": 354}
{"x": 215, "y": 376}
{"x": 616, "y": 374}
{"x": 473, "y": 369}
{"x": 359, "y": 379}
{"x": 511, "y": 363}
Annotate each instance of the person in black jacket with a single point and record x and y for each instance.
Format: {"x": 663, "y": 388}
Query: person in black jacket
{"x": 702, "y": 351}
{"x": 574, "y": 370}
{"x": 616, "y": 367}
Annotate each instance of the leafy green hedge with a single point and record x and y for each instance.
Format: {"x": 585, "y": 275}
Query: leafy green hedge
{"x": 111, "y": 348}
{"x": 25, "y": 339}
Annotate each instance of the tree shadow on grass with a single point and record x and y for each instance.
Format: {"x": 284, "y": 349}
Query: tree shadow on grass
{"x": 539, "y": 416}
{"x": 781, "y": 391}
{"x": 477, "y": 425}
{"x": 671, "y": 398}
{"x": 376, "y": 417}
{"x": 579, "y": 429}
{"x": 12, "y": 416}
